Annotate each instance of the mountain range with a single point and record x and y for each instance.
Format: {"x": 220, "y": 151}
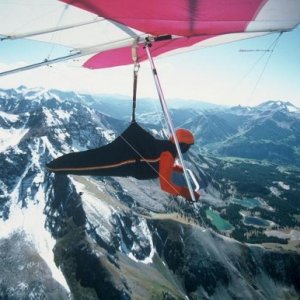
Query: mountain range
{"x": 72, "y": 237}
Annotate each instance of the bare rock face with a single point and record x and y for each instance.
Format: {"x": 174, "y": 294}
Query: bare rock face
{"x": 24, "y": 274}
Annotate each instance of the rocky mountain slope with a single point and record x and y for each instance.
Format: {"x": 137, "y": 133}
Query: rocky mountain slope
{"x": 71, "y": 237}
{"x": 269, "y": 131}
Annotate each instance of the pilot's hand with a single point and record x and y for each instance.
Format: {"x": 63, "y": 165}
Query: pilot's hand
{"x": 184, "y": 192}
{"x": 178, "y": 168}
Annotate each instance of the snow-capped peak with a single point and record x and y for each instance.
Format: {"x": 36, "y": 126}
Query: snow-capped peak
{"x": 278, "y": 105}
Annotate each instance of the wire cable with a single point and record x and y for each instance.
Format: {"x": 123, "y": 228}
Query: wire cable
{"x": 272, "y": 48}
{"x": 145, "y": 160}
{"x": 53, "y": 34}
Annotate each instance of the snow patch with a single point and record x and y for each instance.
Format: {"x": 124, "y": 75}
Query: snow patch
{"x": 283, "y": 185}
{"x": 98, "y": 212}
{"x": 274, "y": 190}
{"x": 143, "y": 230}
{"x": 49, "y": 118}
{"x": 94, "y": 201}
{"x": 292, "y": 108}
{"x": 204, "y": 166}
{"x": 3, "y": 190}
{"x": 31, "y": 221}
{"x": 76, "y": 146}
{"x": 10, "y": 117}
{"x": 62, "y": 136}
{"x": 109, "y": 135}
{"x": 49, "y": 146}
{"x": 3, "y": 94}
{"x": 63, "y": 114}
{"x": 284, "y": 125}
{"x": 10, "y": 137}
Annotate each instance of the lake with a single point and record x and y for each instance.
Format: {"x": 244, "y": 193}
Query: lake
{"x": 247, "y": 202}
{"x": 219, "y": 222}
{"x": 249, "y": 220}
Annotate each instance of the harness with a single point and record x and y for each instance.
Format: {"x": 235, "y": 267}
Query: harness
{"x": 134, "y": 153}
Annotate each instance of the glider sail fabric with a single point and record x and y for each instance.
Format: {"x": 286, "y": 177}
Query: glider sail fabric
{"x": 55, "y": 22}
{"x": 105, "y": 31}
{"x": 191, "y": 21}
{"x": 178, "y": 17}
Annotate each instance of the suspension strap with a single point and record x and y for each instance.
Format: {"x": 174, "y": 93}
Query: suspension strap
{"x": 135, "y": 79}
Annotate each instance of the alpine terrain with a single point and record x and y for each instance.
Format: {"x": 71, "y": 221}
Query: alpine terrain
{"x": 72, "y": 237}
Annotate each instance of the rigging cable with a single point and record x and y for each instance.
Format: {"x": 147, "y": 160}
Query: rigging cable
{"x": 264, "y": 52}
{"x": 271, "y": 48}
{"x": 168, "y": 118}
{"x": 194, "y": 203}
{"x": 53, "y": 33}
{"x": 145, "y": 160}
{"x": 270, "y": 51}
{"x": 136, "y": 67}
{"x": 135, "y": 73}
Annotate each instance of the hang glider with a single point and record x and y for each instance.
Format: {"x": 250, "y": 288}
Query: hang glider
{"x": 109, "y": 33}
{"x": 104, "y": 32}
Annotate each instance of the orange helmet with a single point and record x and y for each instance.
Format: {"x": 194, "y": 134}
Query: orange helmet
{"x": 183, "y": 136}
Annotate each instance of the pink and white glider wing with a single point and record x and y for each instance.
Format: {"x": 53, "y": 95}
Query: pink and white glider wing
{"x": 105, "y": 31}
{"x": 193, "y": 22}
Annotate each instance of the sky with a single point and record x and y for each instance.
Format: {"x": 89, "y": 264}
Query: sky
{"x": 224, "y": 74}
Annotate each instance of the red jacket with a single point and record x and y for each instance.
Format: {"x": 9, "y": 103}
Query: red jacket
{"x": 166, "y": 168}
